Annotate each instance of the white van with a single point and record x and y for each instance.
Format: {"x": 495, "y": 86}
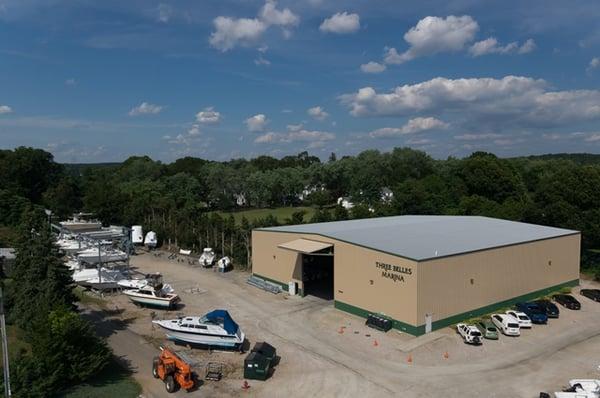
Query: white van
{"x": 507, "y": 324}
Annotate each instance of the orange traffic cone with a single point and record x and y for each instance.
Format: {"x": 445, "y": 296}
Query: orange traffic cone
{"x": 409, "y": 360}
{"x": 245, "y": 386}
{"x": 375, "y": 343}
{"x": 446, "y": 355}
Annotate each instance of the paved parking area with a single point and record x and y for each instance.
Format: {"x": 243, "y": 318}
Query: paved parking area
{"x": 328, "y": 353}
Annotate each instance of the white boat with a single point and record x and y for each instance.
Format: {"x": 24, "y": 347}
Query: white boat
{"x": 88, "y": 277}
{"x": 207, "y": 258}
{"x": 69, "y": 244}
{"x": 153, "y": 293}
{"x": 81, "y": 223}
{"x": 132, "y": 283}
{"x": 224, "y": 264}
{"x": 91, "y": 255}
{"x": 216, "y": 328}
{"x": 581, "y": 388}
{"x": 150, "y": 240}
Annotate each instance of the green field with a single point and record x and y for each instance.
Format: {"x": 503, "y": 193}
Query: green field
{"x": 281, "y": 213}
{"x": 113, "y": 381}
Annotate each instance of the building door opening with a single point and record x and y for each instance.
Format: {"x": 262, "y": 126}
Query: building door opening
{"x": 317, "y": 275}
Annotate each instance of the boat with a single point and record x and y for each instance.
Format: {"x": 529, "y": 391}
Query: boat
{"x": 224, "y": 264}
{"x": 207, "y": 258}
{"x": 153, "y": 293}
{"x": 132, "y": 283}
{"x": 94, "y": 255}
{"x": 70, "y": 244}
{"x": 216, "y": 328}
{"x": 81, "y": 222}
{"x": 99, "y": 280}
{"x": 150, "y": 240}
{"x": 581, "y": 388}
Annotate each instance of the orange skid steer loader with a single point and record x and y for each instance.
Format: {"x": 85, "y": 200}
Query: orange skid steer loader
{"x": 173, "y": 370}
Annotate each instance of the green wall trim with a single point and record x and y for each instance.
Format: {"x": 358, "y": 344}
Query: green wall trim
{"x": 399, "y": 325}
{"x": 284, "y": 286}
{"x": 493, "y": 307}
{"x": 442, "y": 323}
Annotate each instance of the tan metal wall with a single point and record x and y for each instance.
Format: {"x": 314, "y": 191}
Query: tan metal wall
{"x": 357, "y": 279}
{"x": 445, "y": 287}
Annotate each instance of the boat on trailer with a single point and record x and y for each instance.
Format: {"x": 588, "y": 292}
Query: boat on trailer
{"x": 153, "y": 293}
{"x": 215, "y": 329}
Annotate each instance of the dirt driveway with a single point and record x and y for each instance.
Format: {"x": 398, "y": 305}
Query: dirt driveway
{"x": 328, "y": 353}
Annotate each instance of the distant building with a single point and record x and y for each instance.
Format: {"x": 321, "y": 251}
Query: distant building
{"x": 386, "y": 195}
{"x": 7, "y": 259}
{"x": 345, "y": 202}
{"x": 240, "y": 199}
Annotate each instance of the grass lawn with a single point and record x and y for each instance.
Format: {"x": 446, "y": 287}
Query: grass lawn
{"x": 281, "y": 213}
{"x": 113, "y": 381}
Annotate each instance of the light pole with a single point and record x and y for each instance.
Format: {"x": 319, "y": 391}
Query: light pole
{"x": 49, "y": 214}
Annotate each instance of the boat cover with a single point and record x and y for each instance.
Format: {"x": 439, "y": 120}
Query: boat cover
{"x": 228, "y": 324}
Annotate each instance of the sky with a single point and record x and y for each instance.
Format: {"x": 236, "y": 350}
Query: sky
{"x": 99, "y": 81}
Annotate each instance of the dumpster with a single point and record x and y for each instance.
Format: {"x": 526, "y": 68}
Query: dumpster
{"x": 379, "y": 322}
{"x": 256, "y": 366}
{"x": 266, "y": 350}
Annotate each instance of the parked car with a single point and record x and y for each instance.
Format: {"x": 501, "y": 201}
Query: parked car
{"x": 521, "y": 318}
{"x": 533, "y": 311}
{"x": 469, "y": 333}
{"x": 567, "y": 301}
{"x": 487, "y": 329}
{"x": 507, "y": 324}
{"x": 549, "y": 307}
{"x": 592, "y": 294}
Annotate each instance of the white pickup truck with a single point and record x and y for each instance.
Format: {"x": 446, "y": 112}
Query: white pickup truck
{"x": 469, "y": 333}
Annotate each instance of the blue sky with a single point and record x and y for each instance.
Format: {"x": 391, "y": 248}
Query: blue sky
{"x": 100, "y": 81}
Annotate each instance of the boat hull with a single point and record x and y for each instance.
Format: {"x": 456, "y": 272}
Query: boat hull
{"x": 157, "y": 302}
{"x": 212, "y": 341}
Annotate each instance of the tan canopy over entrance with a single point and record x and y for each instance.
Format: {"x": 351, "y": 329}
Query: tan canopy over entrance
{"x": 305, "y": 246}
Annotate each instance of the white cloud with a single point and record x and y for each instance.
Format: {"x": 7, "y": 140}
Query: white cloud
{"x": 491, "y": 46}
{"x": 164, "y": 12}
{"x": 71, "y": 82}
{"x": 272, "y": 16}
{"x": 594, "y": 63}
{"x": 208, "y": 116}
{"x": 372, "y": 67}
{"x": 527, "y": 47}
{"x": 257, "y": 122}
{"x": 314, "y": 138}
{"x": 476, "y": 137}
{"x": 294, "y": 127}
{"x": 4, "y": 109}
{"x": 511, "y": 100}
{"x": 145, "y": 108}
{"x": 191, "y": 137}
{"x": 341, "y": 23}
{"x": 317, "y": 113}
{"x": 433, "y": 35}
{"x": 230, "y": 32}
{"x": 413, "y": 126}
{"x": 261, "y": 61}
{"x": 593, "y": 138}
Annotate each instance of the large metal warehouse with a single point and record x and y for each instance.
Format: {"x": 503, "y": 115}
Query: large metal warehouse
{"x": 424, "y": 272}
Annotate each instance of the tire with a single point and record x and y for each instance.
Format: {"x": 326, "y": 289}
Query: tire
{"x": 170, "y": 384}
{"x": 155, "y": 363}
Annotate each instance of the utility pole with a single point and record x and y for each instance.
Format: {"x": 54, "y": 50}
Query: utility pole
{"x": 7, "y": 392}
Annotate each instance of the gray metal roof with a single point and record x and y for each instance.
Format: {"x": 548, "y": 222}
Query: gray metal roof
{"x": 426, "y": 237}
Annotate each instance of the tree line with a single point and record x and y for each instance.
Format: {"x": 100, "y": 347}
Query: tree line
{"x": 189, "y": 202}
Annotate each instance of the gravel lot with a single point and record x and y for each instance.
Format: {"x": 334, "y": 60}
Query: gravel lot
{"x": 318, "y": 360}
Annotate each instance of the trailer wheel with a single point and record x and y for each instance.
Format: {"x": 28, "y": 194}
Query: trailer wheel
{"x": 170, "y": 384}
{"x": 155, "y": 363}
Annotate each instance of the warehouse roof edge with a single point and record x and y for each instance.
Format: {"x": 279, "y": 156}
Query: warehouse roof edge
{"x": 422, "y": 238}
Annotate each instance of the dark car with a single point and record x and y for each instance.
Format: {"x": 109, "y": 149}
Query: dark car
{"x": 592, "y": 294}
{"x": 567, "y": 301}
{"x": 533, "y": 311}
{"x": 549, "y": 307}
